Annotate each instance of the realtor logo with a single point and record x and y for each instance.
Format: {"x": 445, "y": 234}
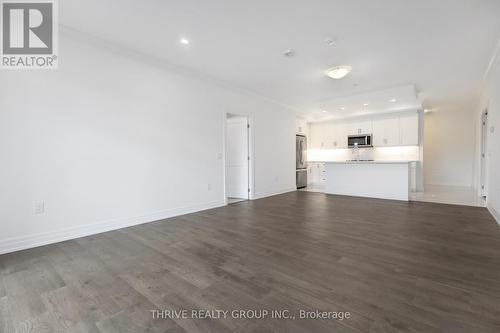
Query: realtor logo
{"x": 29, "y": 34}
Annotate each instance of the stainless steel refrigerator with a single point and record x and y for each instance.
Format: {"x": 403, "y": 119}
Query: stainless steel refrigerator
{"x": 301, "y": 161}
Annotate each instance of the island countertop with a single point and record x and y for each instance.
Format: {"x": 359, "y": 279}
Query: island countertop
{"x": 369, "y": 162}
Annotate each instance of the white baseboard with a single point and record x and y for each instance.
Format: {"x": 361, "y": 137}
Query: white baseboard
{"x": 457, "y": 185}
{"x": 493, "y": 212}
{"x": 260, "y": 195}
{"x": 30, "y": 241}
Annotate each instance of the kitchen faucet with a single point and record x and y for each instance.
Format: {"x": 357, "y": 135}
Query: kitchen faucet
{"x": 355, "y": 149}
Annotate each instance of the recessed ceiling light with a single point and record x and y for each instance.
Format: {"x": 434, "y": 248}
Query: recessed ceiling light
{"x": 338, "y": 72}
{"x": 392, "y": 100}
{"x": 184, "y": 41}
{"x": 366, "y": 104}
{"x": 342, "y": 108}
{"x": 324, "y": 111}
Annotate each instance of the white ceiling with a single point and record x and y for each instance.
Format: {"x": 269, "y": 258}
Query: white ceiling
{"x": 380, "y": 101}
{"x": 442, "y": 47}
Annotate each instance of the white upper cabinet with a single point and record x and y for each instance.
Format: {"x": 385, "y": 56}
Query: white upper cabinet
{"x": 386, "y": 132}
{"x": 360, "y": 127}
{"x": 328, "y": 135}
{"x": 316, "y": 136}
{"x": 301, "y": 126}
{"x": 408, "y": 130}
{"x": 340, "y": 135}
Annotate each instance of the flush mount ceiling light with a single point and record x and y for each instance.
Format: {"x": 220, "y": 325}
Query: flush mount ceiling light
{"x": 324, "y": 111}
{"x": 365, "y": 104}
{"x": 338, "y": 72}
{"x": 392, "y": 100}
{"x": 289, "y": 53}
{"x": 184, "y": 41}
{"x": 330, "y": 41}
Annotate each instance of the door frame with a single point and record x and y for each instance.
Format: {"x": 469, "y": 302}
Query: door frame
{"x": 250, "y": 149}
{"x": 483, "y": 155}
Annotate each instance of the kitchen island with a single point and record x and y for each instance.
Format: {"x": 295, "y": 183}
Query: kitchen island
{"x": 374, "y": 179}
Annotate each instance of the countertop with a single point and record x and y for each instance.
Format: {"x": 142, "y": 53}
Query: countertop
{"x": 368, "y": 162}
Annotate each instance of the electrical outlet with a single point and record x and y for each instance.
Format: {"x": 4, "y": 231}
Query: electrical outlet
{"x": 39, "y": 207}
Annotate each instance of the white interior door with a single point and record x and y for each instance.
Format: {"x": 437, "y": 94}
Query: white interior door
{"x": 237, "y": 158}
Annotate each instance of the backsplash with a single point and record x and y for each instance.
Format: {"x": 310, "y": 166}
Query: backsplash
{"x": 410, "y": 153}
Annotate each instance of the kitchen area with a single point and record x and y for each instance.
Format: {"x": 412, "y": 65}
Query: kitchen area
{"x": 377, "y": 155}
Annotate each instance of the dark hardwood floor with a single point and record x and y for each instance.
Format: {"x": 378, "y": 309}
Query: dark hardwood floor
{"x": 395, "y": 266}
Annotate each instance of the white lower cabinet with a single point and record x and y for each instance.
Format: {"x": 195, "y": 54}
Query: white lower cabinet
{"x": 413, "y": 176}
{"x": 322, "y": 173}
{"x": 310, "y": 175}
{"x": 314, "y": 174}
{"x": 317, "y": 173}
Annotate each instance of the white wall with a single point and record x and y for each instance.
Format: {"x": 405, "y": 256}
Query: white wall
{"x": 449, "y": 150}
{"x": 491, "y": 100}
{"x": 108, "y": 141}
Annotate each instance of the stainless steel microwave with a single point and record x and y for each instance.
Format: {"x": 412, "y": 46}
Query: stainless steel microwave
{"x": 361, "y": 140}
